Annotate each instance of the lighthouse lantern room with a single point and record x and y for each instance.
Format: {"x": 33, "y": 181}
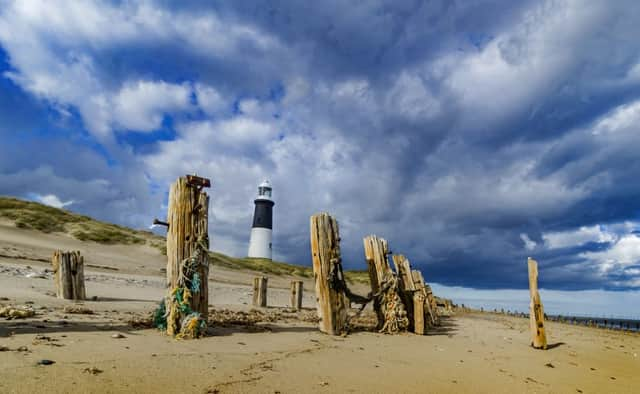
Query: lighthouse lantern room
{"x": 260, "y": 241}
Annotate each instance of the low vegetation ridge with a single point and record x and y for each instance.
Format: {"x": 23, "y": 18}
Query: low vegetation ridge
{"x": 46, "y": 219}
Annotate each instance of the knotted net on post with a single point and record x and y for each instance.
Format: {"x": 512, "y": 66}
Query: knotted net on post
{"x": 174, "y": 315}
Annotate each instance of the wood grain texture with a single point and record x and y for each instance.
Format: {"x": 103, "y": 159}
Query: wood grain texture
{"x": 536, "y": 311}
{"x": 389, "y": 305}
{"x": 188, "y": 231}
{"x": 260, "y": 291}
{"x": 68, "y": 277}
{"x": 296, "y": 294}
{"x": 332, "y": 302}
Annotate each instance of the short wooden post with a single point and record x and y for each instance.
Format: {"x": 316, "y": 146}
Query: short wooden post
{"x": 536, "y": 311}
{"x": 260, "y": 291}
{"x": 390, "y": 310}
{"x": 418, "y": 312}
{"x": 427, "y": 295}
{"x": 68, "y": 278}
{"x": 187, "y": 300}
{"x": 331, "y": 300}
{"x": 296, "y": 294}
{"x": 409, "y": 294}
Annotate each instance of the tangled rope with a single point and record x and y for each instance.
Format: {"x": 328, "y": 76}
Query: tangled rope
{"x": 174, "y": 314}
{"x": 395, "y": 316}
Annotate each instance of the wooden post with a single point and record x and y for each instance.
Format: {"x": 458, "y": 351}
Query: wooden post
{"x": 327, "y": 270}
{"x": 536, "y": 312}
{"x": 430, "y": 301}
{"x": 68, "y": 278}
{"x": 296, "y": 294}
{"x": 260, "y": 291}
{"x": 427, "y": 295}
{"x": 418, "y": 312}
{"x": 188, "y": 257}
{"x": 408, "y": 293}
{"x": 390, "y": 310}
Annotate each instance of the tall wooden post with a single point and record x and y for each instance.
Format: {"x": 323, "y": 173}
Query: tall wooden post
{"x": 536, "y": 312}
{"x": 188, "y": 257}
{"x": 68, "y": 278}
{"x": 296, "y": 294}
{"x": 260, "y": 291}
{"x": 327, "y": 271}
{"x": 388, "y": 305}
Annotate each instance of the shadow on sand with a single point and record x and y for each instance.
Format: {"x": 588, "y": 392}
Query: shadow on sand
{"x": 447, "y": 327}
{"x": 554, "y": 345}
{"x": 14, "y": 327}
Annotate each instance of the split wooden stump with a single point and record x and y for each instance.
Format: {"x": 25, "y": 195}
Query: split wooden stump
{"x": 187, "y": 300}
{"x": 260, "y": 291}
{"x": 332, "y": 301}
{"x": 536, "y": 311}
{"x": 388, "y": 304}
{"x": 296, "y": 294}
{"x": 414, "y": 296}
{"x": 68, "y": 278}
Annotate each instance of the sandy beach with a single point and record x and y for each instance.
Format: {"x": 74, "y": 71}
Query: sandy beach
{"x": 271, "y": 350}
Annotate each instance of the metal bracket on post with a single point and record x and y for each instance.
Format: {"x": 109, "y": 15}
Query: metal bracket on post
{"x": 157, "y": 222}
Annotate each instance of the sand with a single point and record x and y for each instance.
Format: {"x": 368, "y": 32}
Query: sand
{"x": 284, "y": 352}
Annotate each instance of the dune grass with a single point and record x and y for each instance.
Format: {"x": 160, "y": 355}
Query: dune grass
{"x": 36, "y": 216}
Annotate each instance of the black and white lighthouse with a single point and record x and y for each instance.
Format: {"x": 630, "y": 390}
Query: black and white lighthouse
{"x": 260, "y": 242}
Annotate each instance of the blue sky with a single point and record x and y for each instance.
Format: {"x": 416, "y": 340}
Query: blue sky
{"x": 470, "y": 134}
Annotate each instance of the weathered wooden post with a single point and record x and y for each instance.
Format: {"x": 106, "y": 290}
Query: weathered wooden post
{"x": 407, "y": 292}
{"x": 68, "y": 275}
{"x": 187, "y": 300}
{"x": 431, "y": 300}
{"x": 260, "y": 291}
{"x": 427, "y": 296}
{"x": 327, "y": 271}
{"x": 388, "y": 305}
{"x": 296, "y": 294}
{"x": 536, "y": 312}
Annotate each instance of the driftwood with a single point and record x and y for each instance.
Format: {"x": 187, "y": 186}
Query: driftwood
{"x": 260, "y": 291}
{"x": 296, "y": 294}
{"x": 388, "y": 305}
{"x": 68, "y": 278}
{"x": 331, "y": 298}
{"x": 536, "y": 311}
{"x": 187, "y": 257}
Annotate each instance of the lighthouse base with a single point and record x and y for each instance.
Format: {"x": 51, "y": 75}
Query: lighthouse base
{"x": 260, "y": 243}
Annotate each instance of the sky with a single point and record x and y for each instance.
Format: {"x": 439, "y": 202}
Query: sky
{"x": 469, "y": 134}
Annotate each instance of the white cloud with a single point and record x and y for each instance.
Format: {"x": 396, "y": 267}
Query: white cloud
{"x": 625, "y": 252}
{"x": 624, "y": 118}
{"x": 528, "y": 243}
{"x": 210, "y": 100}
{"x": 581, "y": 236}
{"x": 52, "y": 200}
{"x": 140, "y": 105}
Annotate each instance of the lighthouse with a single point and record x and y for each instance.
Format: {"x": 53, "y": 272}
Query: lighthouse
{"x": 260, "y": 242}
